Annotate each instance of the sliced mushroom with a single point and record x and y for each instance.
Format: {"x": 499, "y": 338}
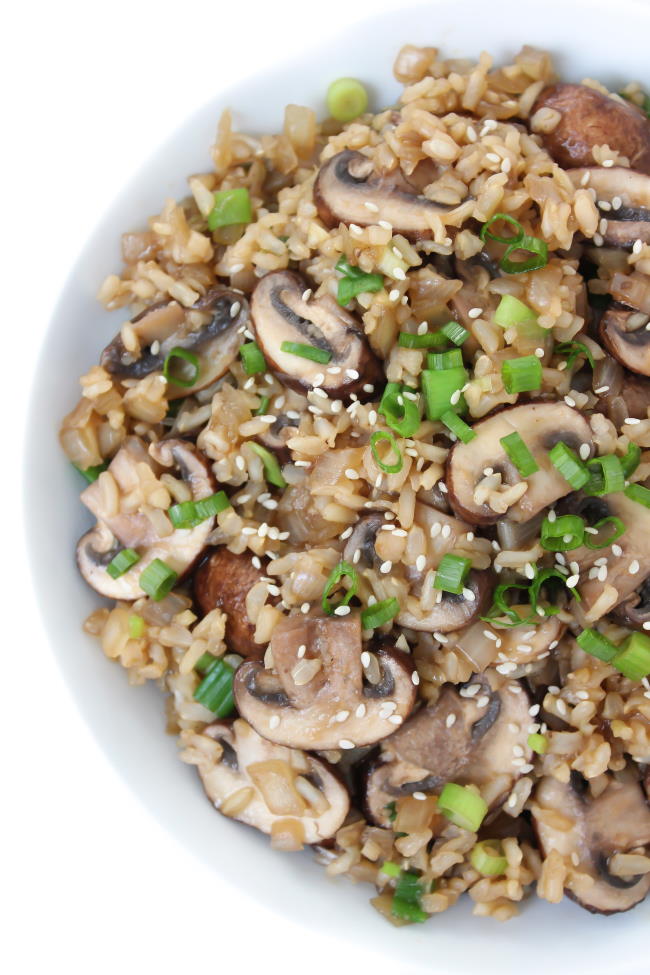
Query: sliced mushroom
{"x": 625, "y": 393}
{"x": 623, "y": 332}
{"x": 222, "y": 581}
{"x": 469, "y": 736}
{"x": 280, "y": 314}
{"x": 121, "y": 523}
{"x": 452, "y": 611}
{"x": 525, "y": 646}
{"x": 634, "y": 612}
{"x": 314, "y": 697}
{"x": 211, "y": 329}
{"x": 589, "y": 119}
{"x": 623, "y": 573}
{"x": 589, "y": 832}
{"x": 623, "y": 198}
{"x": 285, "y": 425}
{"x": 347, "y": 182}
{"x": 294, "y": 797}
{"x": 541, "y": 425}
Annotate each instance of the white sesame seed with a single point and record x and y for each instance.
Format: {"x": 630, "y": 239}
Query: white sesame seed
{"x": 394, "y": 295}
{"x": 301, "y": 651}
{"x": 539, "y": 353}
{"x": 352, "y": 373}
{"x": 399, "y": 274}
{"x": 529, "y": 571}
{"x": 342, "y": 610}
{"x": 455, "y": 397}
{"x": 572, "y": 581}
{"x": 395, "y": 719}
{"x": 420, "y": 562}
{"x": 483, "y": 701}
{"x": 533, "y": 710}
{"x": 415, "y": 678}
{"x": 346, "y": 743}
{"x": 617, "y": 550}
{"x": 274, "y": 721}
{"x": 240, "y": 463}
{"x": 470, "y": 691}
{"x": 632, "y": 420}
{"x": 474, "y": 312}
{"x": 249, "y": 530}
{"x": 351, "y": 474}
{"x": 469, "y": 595}
{"x": 368, "y": 388}
{"x": 584, "y": 451}
{"x": 607, "y": 163}
{"x": 524, "y": 769}
{"x": 597, "y": 239}
{"x": 234, "y": 309}
{"x": 369, "y": 205}
{"x": 440, "y": 637}
{"x": 517, "y": 750}
{"x": 584, "y": 179}
{"x": 634, "y": 567}
{"x": 304, "y": 608}
{"x": 506, "y": 668}
{"x": 365, "y": 659}
{"x": 385, "y": 224}
{"x": 569, "y": 400}
{"x": 637, "y": 247}
{"x": 450, "y": 720}
{"x": 419, "y": 795}
{"x": 342, "y": 716}
{"x": 518, "y": 762}
{"x": 446, "y": 531}
{"x": 601, "y": 389}
{"x": 386, "y": 566}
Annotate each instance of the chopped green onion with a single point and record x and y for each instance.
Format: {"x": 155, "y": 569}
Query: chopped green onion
{"x": 633, "y": 658}
{"x": 445, "y": 360}
{"x": 501, "y": 608}
{"x": 451, "y": 573}
{"x": 215, "y": 690}
{"x": 406, "y": 899}
{"x": 122, "y": 562}
{"x": 189, "y": 514}
{"x": 386, "y": 468}
{"x": 213, "y": 505}
{"x": 184, "y": 355}
{"x": 486, "y": 232}
{"x": 262, "y": 409}
{"x": 137, "y": 626}
{"x": 339, "y": 571}
{"x": 402, "y": 417}
{"x": 392, "y": 810}
{"x": 521, "y": 375}
{"x": 644, "y": 106}
{"x": 439, "y": 387}
{"x": 390, "y": 869}
{"x": 406, "y": 911}
{"x": 462, "y": 807}
{"x": 252, "y": 359}
{"x": 542, "y": 578}
{"x": 537, "y": 743}
{"x": 272, "y": 471}
{"x": 597, "y": 645}
{"x": 311, "y": 352}
{"x": 346, "y": 99}
{"x": 379, "y": 613}
{"x": 355, "y": 282}
{"x": 230, "y": 207}
{"x": 636, "y": 492}
{"x": 631, "y": 459}
{"x": 519, "y": 454}
{"x": 158, "y": 579}
{"x": 512, "y": 312}
{"x": 458, "y": 426}
{"x": 563, "y": 534}
{"x": 91, "y": 473}
{"x": 572, "y": 350}
{"x": 538, "y": 250}
{"x": 408, "y": 340}
{"x": 619, "y": 529}
{"x": 567, "y": 463}
{"x": 606, "y": 476}
{"x": 487, "y": 857}
{"x": 455, "y": 332}
{"x": 205, "y": 663}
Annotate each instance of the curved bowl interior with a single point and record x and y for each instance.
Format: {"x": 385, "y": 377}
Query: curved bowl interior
{"x": 595, "y": 39}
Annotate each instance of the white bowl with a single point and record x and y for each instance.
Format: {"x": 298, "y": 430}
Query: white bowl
{"x": 597, "y": 39}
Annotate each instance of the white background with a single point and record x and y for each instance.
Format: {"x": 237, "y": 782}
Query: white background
{"x": 90, "y": 882}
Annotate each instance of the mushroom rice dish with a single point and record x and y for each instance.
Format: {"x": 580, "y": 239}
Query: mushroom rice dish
{"x": 367, "y": 466}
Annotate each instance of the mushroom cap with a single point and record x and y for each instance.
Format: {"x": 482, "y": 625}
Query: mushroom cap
{"x": 541, "y": 425}
{"x": 590, "y": 118}
{"x": 117, "y": 529}
{"x": 211, "y": 329}
{"x": 281, "y": 314}
{"x": 324, "y": 709}
{"x": 347, "y": 182}
{"x": 475, "y": 746}
{"x": 634, "y": 612}
{"x": 623, "y": 333}
{"x": 282, "y": 782}
{"x": 453, "y": 611}
{"x": 617, "y": 821}
{"x": 597, "y": 596}
{"x": 222, "y": 581}
{"x": 629, "y": 220}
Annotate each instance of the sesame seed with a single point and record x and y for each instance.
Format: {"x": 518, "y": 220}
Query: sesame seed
{"x": 517, "y": 750}
{"x": 601, "y": 389}
{"x": 356, "y": 556}
{"x": 346, "y": 743}
{"x": 361, "y": 711}
{"x": 450, "y": 720}
{"x": 470, "y": 691}
{"x": 420, "y": 562}
{"x": 394, "y": 295}
{"x": 304, "y": 608}
{"x": 584, "y": 179}
{"x": 395, "y": 719}
{"x": 634, "y": 567}
{"x": 399, "y": 274}
{"x": 435, "y": 529}
{"x": 415, "y": 678}
{"x": 483, "y": 701}
{"x": 400, "y": 533}
{"x": 584, "y": 451}
{"x": 306, "y": 295}
{"x": 526, "y": 768}
{"x": 273, "y": 590}
{"x": 419, "y": 795}
{"x": 342, "y": 716}
{"x": 529, "y": 571}
{"x": 632, "y": 420}
{"x": 274, "y": 721}
{"x": 506, "y": 668}
{"x": 301, "y": 651}
{"x": 454, "y": 398}
{"x": 352, "y": 373}
{"x": 249, "y": 530}
{"x": 386, "y": 566}
{"x": 637, "y": 247}
{"x": 342, "y": 610}
{"x": 235, "y": 308}
{"x": 369, "y": 205}
{"x": 368, "y": 388}
{"x": 365, "y": 659}
{"x": 319, "y": 379}
{"x": 539, "y": 353}
{"x": 607, "y": 163}
{"x": 572, "y": 581}
{"x": 446, "y": 531}
{"x": 518, "y": 762}
{"x": 469, "y": 595}
{"x": 240, "y": 463}
{"x": 443, "y": 488}
{"x": 474, "y": 312}
{"x": 597, "y": 239}
{"x": 302, "y": 463}
{"x": 385, "y": 224}
{"x": 569, "y": 400}
{"x": 533, "y": 710}
{"x": 351, "y": 474}
{"x": 440, "y": 637}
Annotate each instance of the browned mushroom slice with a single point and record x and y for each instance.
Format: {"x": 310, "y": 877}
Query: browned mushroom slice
{"x": 452, "y": 611}
{"x": 593, "y": 835}
{"x": 281, "y": 313}
{"x": 347, "y": 182}
{"x": 474, "y": 734}
{"x": 140, "y": 525}
{"x": 483, "y": 483}
{"x": 285, "y": 425}
{"x": 222, "y": 581}
{"x": 623, "y": 573}
{"x": 292, "y": 796}
{"x": 317, "y": 697}
{"x": 211, "y": 329}
{"x": 623, "y": 198}
{"x": 620, "y": 393}
{"x": 588, "y": 119}
{"x": 634, "y": 612}
{"x": 623, "y": 332}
